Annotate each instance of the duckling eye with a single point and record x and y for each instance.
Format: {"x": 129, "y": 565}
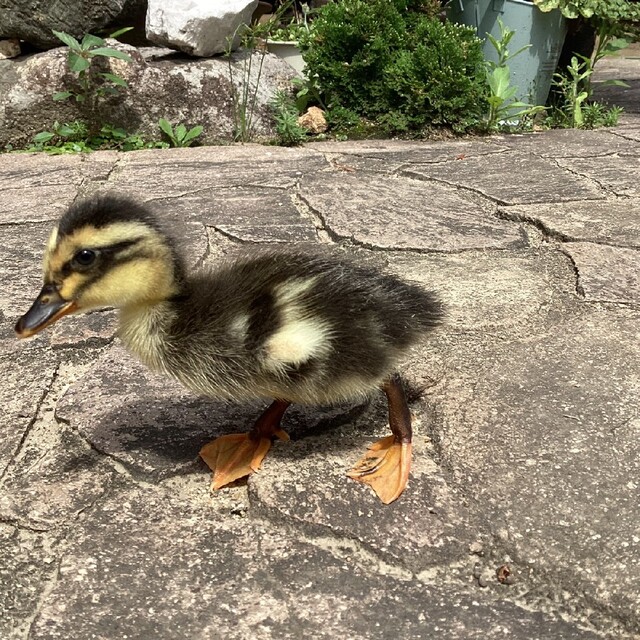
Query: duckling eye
{"x": 83, "y": 259}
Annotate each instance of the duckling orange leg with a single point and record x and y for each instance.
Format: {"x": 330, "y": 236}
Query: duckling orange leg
{"x": 240, "y": 454}
{"x": 385, "y": 466}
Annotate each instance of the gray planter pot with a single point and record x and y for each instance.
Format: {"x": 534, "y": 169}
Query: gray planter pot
{"x": 288, "y": 51}
{"x": 533, "y": 69}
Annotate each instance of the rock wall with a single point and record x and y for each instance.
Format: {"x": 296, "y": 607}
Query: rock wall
{"x": 33, "y": 20}
{"x": 162, "y": 84}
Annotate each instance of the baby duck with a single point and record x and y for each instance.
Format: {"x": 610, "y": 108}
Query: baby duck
{"x": 289, "y": 325}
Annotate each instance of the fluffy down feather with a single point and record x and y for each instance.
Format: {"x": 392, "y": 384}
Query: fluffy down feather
{"x": 301, "y": 326}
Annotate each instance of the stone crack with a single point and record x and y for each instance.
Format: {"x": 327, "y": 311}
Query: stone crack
{"x": 46, "y": 591}
{"x": 32, "y": 422}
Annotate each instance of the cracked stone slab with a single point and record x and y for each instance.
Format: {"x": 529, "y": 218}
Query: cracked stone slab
{"x": 396, "y": 212}
{"x": 543, "y": 435}
{"x": 21, "y": 266}
{"x": 512, "y": 178}
{"x": 567, "y": 143}
{"x": 389, "y": 155}
{"x": 148, "y": 422}
{"x": 617, "y": 67}
{"x": 619, "y": 174}
{"x": 533, "y": 413}
{"x": 606, "y": 274}
{"x": 55, "y": 480}
{"x": 191, "y": 240}
{"x": 305, "y": 484}
{"x": 189, "y": 575}
{"x": 629, "y": 132}
{"x": 603, "y": 221}
{"x": 482, "y": 291}
{"x": 27, "y": 563}
{"x": 203, "y": 170}
{"x": 38, "y": 187}
{"x": 246, "y": 214}
{"x": 90, "y": 330}
{"x": 423, "y": 151}
{"x": 26, "y": 377}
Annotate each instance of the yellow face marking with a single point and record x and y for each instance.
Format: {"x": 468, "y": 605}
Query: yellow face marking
{"x": 137, "y": 282}
{"x": 90, "y": 237}
{"x": 71, "y": 284}
{"x": 51, "y": 246}
{"x": 141, "y": 280}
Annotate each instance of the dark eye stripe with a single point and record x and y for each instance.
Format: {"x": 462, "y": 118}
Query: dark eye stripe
{"x": 120, "y": 246}
{"x": 109, "y": 251}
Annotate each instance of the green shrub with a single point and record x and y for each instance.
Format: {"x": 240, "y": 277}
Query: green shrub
{"x": 394, "y": 63}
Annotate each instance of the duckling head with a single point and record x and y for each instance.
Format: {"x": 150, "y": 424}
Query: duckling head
{"x": 107, "y": 251}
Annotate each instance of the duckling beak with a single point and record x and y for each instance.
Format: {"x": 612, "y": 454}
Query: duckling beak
{"x": 48, "y": 307}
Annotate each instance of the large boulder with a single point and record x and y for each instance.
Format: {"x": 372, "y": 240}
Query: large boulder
{"x": 198, "y": 27}
{"x": 160, "y": 85}
{"x": 33, "y": 20}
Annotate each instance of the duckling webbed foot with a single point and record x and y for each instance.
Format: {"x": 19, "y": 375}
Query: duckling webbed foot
{"x": 237, "y": 455}
{"x": 385, "y": 467}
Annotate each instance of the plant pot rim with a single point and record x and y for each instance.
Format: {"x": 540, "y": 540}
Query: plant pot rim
{"x": 291, "y": 42}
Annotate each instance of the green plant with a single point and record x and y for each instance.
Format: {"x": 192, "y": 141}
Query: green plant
{"x": 246, "y": 83}
{"x": 575, "y": 107}
{"x": 606, "y": 45}
{"x": 615, "y": 23}
{"x": 395, "y": 65}
{"x": 621, "y": 13}
{"x": 503, "y": 109}
{"x": 289, "y": 132}
{"x": 64, "y": 138}
{"x": 573, "y": 97}
{"x": 597, "y": 115}
{"x": 296, "y": 27}
{"x": 244, "y": 93}
{"x": 342, "y": 118}
{"x": 118, "y": 139}
{"x": 307, "y": 92}
{"x": 92, "y": 84}
{"x": 179, "y": 136}
{"x": 573, "y": 110}
{"x": 74, "y": 137}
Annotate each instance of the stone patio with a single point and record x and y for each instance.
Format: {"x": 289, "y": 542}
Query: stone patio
{"x": 527, "y": 443}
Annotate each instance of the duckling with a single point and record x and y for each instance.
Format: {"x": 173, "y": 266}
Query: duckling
{"x": 296, "y": 325}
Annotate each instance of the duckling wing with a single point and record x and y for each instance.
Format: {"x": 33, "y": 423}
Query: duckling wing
{"x": 305, "y": 327}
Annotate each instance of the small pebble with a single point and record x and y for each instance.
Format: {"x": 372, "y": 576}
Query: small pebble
{"x": 476, "y": 548}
